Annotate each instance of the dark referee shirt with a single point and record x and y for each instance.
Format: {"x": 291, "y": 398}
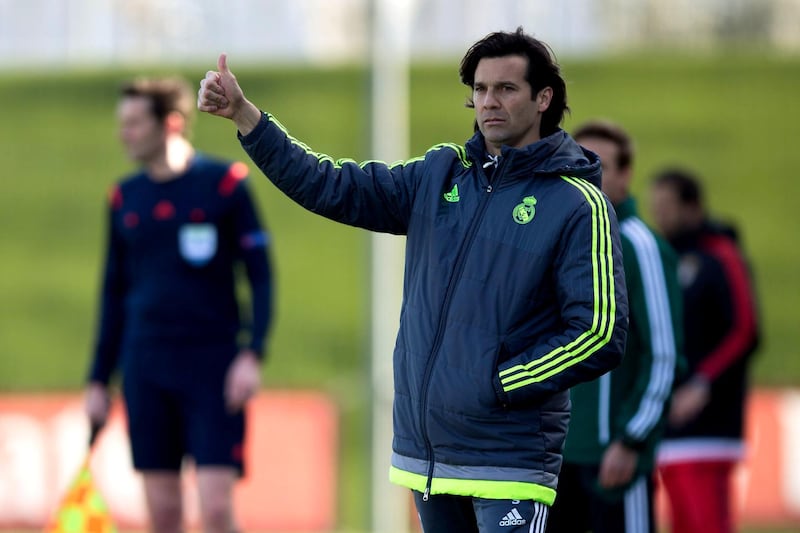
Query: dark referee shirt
{"x": 173, "y": 250}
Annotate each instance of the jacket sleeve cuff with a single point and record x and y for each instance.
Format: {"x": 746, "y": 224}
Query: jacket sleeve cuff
{"x": 633, "y": 444}
{"x": 502, "y": 396}
{"x": 256, "y": 133}
{"x": 258, "y": 349}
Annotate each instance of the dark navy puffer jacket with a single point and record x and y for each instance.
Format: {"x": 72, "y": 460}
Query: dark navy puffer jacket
{"x": 514, "y": 291}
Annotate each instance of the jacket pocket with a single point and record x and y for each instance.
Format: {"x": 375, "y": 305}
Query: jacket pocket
{"x": 501, "y": 354}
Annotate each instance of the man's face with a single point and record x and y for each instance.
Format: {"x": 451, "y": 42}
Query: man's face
{"x": 141, "y": 134}
{"x": 668, "y": 212}
{"x": 616, "y": 180}
{"x": 504, "y": 110}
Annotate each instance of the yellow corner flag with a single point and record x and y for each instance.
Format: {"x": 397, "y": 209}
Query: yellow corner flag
{"x": 83, "y": 509}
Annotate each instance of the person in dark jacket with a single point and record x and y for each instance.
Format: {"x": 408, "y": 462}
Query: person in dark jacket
{"x": 704, "y": 438}
{"x": 513, "y": 291}
{"x": 170, "y": 320}
{"x": 607, "y": 479}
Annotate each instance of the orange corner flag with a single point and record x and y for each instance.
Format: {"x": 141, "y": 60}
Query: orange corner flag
{"x": 83, "y": 509}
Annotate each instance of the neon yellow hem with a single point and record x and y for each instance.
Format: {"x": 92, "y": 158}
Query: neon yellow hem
{"x": 478, "y": 488}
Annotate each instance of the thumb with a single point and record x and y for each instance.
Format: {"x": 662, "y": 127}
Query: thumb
{"x": 222, "y": 64}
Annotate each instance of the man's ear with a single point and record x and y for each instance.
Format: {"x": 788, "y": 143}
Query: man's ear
{"x": 175, "y": 122}
{"x": 543, "y": 99}
{"x": 627, "y": 176}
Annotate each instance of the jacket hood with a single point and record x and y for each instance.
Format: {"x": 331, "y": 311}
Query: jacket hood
{"x": 556, "y": 155}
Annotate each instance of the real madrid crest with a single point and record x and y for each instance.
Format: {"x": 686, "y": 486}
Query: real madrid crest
{"x": 523, "y": 213}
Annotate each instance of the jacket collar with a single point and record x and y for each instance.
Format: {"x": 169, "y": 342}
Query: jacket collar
{"x": 555, "y": 155}
{"x": 626, "y": 208}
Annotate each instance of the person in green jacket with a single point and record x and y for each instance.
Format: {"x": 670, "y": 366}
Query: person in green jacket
{"x": 606, "y": 482}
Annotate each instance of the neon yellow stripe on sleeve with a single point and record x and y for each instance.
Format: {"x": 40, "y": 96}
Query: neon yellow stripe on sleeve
{"x": 604, "y": 311}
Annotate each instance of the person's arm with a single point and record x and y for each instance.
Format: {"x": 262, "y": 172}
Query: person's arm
{"x": 372, "y": 195}
{"x": 590, "y": 285}
{"x": 654, "y": 301}
{"x": 110, "y": 323}
{"x": 742, "y": 334}
{"x": 253, "y": 244}
{"x": 251, "y": 241}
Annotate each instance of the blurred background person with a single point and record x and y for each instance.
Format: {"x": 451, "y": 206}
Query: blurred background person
{"x": 606, "y": 483}
{"x": 704, "y": 438}
{"x": 170, "y": 321}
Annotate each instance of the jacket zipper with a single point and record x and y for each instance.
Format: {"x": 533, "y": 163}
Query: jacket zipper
{"x": 459, "y": 267}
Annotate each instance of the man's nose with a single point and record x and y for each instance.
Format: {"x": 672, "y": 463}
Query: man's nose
{"x": 490, "y": 99}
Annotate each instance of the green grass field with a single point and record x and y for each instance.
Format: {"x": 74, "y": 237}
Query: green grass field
{"x": 733, "y": 118}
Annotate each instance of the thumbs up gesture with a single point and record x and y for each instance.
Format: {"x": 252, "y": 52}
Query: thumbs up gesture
{"x": 221, "y": 95}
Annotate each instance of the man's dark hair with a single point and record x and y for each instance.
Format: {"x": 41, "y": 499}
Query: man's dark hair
{"x": 685, "y": 184}
{"x": 543, "y": 71}
{"x": 608, "y": 131}
{"x": 166, "y": 95}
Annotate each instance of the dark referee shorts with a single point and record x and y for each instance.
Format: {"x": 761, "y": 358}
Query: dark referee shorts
{"x": 176, "y": 408}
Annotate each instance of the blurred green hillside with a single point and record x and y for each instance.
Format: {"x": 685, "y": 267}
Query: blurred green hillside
{"x": 732, "y": 118}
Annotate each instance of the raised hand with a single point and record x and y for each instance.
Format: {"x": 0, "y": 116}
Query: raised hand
{"x": 221, "y": 95}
